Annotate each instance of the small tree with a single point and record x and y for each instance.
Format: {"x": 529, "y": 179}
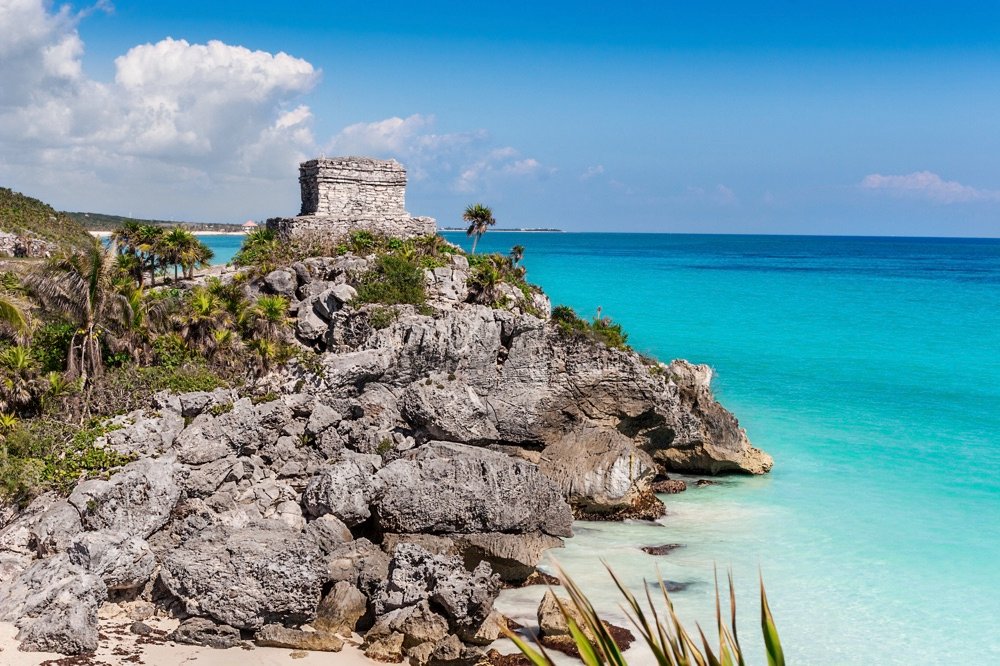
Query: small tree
{"x": 480, "y": 219}
{"x": 517, "y": 254}
{"x": 80, "y": 288}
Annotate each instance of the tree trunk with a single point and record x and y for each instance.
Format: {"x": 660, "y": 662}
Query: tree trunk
{"x": 475, "y": 240}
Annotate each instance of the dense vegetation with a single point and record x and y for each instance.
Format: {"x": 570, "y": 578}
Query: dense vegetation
{"x": 602, "y": 329}
{"x": 25, "y": 216}
{"x": 263, "y": 251}
{"x": 88, "y": 335}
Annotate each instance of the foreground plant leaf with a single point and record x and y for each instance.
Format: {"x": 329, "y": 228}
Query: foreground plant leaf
{"x": 670, "y": 643}
{"x": 775, "y": 656}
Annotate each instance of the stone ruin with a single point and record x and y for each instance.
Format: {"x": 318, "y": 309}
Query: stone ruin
{"x": 345, "y": 194}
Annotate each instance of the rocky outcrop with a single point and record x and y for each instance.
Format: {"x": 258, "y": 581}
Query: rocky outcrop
{"x": 444, "y": 488}
{"x": 387, "y": 485}
{"x": 54, "y": 604}
{"x": 277, "y": 574}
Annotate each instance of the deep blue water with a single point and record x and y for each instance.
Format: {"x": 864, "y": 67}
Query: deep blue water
{"x": 870, "y": 369}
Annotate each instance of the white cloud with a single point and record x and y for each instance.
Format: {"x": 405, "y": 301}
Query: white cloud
{"x": 927, "y": 185}
{"x": 213, "y": 129}
{"x": 720, "y": 195}
{"x": 465, "y": 159}
{"x": 176, "y": 113}
{"x": 592, "y": 171}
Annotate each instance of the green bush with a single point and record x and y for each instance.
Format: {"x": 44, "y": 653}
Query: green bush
{"x": 380, "y": 318}
{"x": 170, "y": 351}
{"x": 601, "y": 329}
{"x": 48, "y": 454}
{"x": 126, "y": 389}
{"x": 394, "y": 281}
{"x": 50, "y": 345}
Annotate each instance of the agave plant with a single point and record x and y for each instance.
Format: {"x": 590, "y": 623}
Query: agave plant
{"x": 670, "y": 643}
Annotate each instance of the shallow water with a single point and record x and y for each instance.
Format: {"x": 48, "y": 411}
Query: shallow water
{"x": 870, "y": 369}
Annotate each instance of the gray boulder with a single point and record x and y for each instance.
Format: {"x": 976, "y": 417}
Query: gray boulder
{"x": 247, "y": 577}
{"x": 54, "y": 604}
{"x": 282, "y": 282}
{"x": 328, "y": 532}
{"x": 136, "y": 501}
{"x": 418, "y": 624}
{"x": 600, "y": 471}
{"x": 415, "y": 575}
{"x": 343, "y": 489}
{"x": 445, "y": 488}
{"x": 308, "y": 324}
{"x": 203, "y": 631}
{"x": 340, "y": 610}
{"x": 275, "y": 635}
{"x": 56, "y": 528}
{"x": 360, "y": 563}
{"x": 122, "y": 561}
{"x": 239, "y": 431}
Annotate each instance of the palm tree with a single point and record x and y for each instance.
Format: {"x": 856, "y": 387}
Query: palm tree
{"x": 480, "y": 219}
{"x": 19, "y": 385}
{"x": 149, "y": 242}
{"x": 172, "y": 246}
{"x": 126, "y": 240}
{"x": 12, "y": 318}
{"x": 200, "y": 317}
{"x": 195, "y": 254}
{"x": 270, "y": 316}
{"x": 517, "y": 254}
{"x": 80, "y": 287}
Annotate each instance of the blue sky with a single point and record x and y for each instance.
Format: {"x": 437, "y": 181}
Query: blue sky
{"x": 839, "y": 118}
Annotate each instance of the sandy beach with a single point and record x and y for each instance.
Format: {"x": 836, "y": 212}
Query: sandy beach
{"x": 119, "y": 646}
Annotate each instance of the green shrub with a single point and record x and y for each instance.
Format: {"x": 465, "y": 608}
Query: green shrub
{"x": 220, "y": 409}
{"x": 170, "y": 351}
{"x": 50, "y": 345}
{"x": 261, "y": 249}
{"x": 601, "y": 329}
{"x": 48, "y": 454}
{"x": 394, "y": 281}
{"x": 380, "y": 318}
{"x": 126, "y": 389}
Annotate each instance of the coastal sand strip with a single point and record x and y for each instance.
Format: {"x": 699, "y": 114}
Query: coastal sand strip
{"x": 119, "y": 647}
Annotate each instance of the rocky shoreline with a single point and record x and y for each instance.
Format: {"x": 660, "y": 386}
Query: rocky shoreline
{"x": 388, "y": 482}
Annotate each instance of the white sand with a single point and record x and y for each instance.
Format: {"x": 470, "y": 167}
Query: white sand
{"x": 119, "y": 646}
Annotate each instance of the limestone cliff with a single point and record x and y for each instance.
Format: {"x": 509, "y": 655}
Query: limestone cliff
{"x": 388, "y": 481}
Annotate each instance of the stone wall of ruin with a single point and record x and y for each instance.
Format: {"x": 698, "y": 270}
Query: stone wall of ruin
{"x": 345, "y": 194}
{"x": 353, "y": 187}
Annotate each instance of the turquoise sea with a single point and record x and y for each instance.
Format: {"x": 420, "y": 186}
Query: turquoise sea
{"x": 870, "y": 369}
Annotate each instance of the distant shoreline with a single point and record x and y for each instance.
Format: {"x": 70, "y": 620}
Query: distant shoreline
{"x": 530, "y": 231}
{"x": 101, "y": 233}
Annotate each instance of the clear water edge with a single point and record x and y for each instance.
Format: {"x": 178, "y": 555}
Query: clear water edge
{"x": 870, "y": 369}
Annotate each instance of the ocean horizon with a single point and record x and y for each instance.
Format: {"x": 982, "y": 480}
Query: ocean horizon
{"x": 869, "y": 368}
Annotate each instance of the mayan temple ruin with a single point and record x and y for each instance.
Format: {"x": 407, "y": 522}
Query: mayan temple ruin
{"x": 345, "y": 194}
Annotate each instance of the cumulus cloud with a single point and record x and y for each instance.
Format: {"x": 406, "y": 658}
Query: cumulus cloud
{"x": 592, "y": 172}
{"x": 175, "y": 112}
{"x": 214, "y": 129}
{"x": 928, "y": 186}
{"x": 465, "y": 159}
